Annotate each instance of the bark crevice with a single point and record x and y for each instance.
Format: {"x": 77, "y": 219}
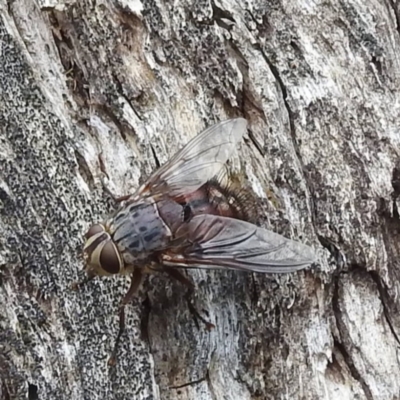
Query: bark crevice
{"x": 383, "y": 296}
{"x": 396, "y": 10}
{"x": 339, "y": 342}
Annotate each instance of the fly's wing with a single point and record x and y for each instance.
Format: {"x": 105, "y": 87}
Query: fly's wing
{"x": 198, "y": 162}
{"x": 211, "y": 241}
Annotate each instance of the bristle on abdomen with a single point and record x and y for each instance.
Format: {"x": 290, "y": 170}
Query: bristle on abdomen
{"x": 233, "y": 200}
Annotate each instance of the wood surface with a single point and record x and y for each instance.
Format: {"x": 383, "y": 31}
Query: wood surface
{"x": 95, "y": 94}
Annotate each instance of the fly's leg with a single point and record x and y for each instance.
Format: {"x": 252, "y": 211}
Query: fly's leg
{"x": 120, "y": 199}
{"x": 176, "y": 274}
{"x": 135, "y": 283}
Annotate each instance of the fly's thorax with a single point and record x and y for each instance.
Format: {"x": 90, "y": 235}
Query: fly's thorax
{"x": 138, "y": 231}
{"x": 101, "y": 253}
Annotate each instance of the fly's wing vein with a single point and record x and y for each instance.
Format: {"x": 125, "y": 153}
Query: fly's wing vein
{"x": 220, "y": 242}
{"x": 198, "y": 162}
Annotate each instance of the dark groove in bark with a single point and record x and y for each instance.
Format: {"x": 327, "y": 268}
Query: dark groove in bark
{"x": 396, "y": 11}
{"x": 338, "y": 344}
{"x": 144, "y": 321}
{"x": 256, "y": 144}
{"x": 337, "y": 255}
{"x": 121, "y": 91}
{"x": 84, "y": 170}
{"x": 32, "y": 392}
{"x": 353, "y": 370}
{"x": 156, "y": 160}
{"x": 209, "y": 383}
{"x": 309, "y": 186}
{"x": 383, "y": 295}
{"x": 191, "y": 383}
{"x": 282, "y": 86}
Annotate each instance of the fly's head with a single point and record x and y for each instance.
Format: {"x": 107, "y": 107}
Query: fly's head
{"x": 101, "y": 253}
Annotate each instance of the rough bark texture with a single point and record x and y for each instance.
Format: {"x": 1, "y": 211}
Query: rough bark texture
{"x": 95, "y": 94}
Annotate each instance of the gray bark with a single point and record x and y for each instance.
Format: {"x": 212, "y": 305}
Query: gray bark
{"x": 94, "y": 94}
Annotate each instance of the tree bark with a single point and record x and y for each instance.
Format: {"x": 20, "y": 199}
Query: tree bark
{"x": 95, "y": 95}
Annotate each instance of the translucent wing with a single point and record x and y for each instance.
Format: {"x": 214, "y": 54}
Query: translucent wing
{"x": 198, "y": 162}
{"x": 219, "y": 242}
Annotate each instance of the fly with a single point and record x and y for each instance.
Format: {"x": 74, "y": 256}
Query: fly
{"x": 183, "y": 216}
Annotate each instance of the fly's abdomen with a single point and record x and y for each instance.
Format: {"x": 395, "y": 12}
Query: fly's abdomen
{"x": 217, "y": 199}
{"x": 139, "y": 231}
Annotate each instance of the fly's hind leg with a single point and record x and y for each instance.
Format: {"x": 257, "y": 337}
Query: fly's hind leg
{"x": 177, "y": 275}
{"x": 136, "y": 280}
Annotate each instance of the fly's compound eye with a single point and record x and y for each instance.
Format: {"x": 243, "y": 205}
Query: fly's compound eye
{"x": 94, "y": 229}
{"x": 94, "y": 237}
{"x": 100, "y": 252}
{"x": 110, "y": 259}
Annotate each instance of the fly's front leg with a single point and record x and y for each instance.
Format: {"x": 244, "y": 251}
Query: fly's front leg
{"x": 120, "y": 199}
{"x": 176, "y": 274}
{"x": 136, "y": 280}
